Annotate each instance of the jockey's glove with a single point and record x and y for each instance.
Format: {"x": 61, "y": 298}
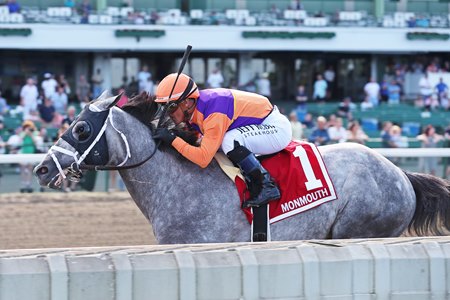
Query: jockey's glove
{"x": 165, "y": 135}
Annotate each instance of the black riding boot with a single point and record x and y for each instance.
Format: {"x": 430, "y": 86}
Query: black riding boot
{"x": 260, "y": 184}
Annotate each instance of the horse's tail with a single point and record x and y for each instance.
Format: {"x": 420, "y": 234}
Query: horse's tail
{"x": 432, "y": 215}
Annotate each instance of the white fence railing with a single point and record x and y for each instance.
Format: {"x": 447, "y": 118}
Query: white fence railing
{"x": 388, "y": 152}
{"x": 401, "y": 268}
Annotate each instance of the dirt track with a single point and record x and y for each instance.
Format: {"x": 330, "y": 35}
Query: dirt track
{"x": 80, "y": 219}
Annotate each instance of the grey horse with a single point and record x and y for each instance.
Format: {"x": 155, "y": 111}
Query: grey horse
{"x": 187, "y": 204}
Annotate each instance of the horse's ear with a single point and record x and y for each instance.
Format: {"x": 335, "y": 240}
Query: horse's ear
{"x": 104, "y": 95}
{"x": 105, "y": 104}
{"x": 116, "y": 99}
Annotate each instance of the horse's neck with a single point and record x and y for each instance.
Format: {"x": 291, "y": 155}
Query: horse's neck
{"x": 147, "y": 184}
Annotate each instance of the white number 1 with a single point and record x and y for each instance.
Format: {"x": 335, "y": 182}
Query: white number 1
{"x": 311, "y": 181}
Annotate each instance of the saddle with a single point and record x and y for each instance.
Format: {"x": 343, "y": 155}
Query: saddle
{"x": 301, "y": 176}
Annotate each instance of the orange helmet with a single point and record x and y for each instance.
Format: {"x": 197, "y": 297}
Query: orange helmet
{"x": 184, "y": 88}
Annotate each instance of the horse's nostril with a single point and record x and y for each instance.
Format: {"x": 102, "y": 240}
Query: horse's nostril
{"x": 42, "y": 170}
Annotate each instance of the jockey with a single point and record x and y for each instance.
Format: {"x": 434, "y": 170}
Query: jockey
{"x": 242, "y": 124}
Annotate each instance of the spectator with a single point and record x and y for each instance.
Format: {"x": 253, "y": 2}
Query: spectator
{"x": 320, "y": 89}
{"x": 386, "y": 135}
{"x": 97, "y": 83}
{"x": 70, "y": 116}
{"x": 14, "y": 141}
{"x": 47, "y": 112}
{"x": 69, "y": 3}
{"x": 63, "y": 81}
{"x": 149, "y": 87}
{"x": 384, "y": 91}
{"x": 319, "y": 136}
{"x": 144, "y": 76}
{"x": 431, "y": 103}
{"x": 366, "y": 104}
{"x": 84, "y": 10}
{"x": 49, "y": 85}
{"x": 133, "y": 86}
{"x": 356, "y": 134}
{"x": 331, "y": 121}
{"x": 393, "y": 92}
{"x": 398, "y": 140}
{"x": 337, "y": 133}
{"x": 329, "y": 75}
{"x": 13, "y": 6}
{"x": 28, "y": 137}
{"x": 83, "y": 91}
{"x": 411, "y": 22}
{"x": 301, "y": 97}
{"x": 215, "y": 79}
{"x": 4, "y": 107}
{"x": 60, "y": 100}
{"x": 29, "y": 99}
{"x": 429, "y": 139}
{"x": 425, "y": 87}
{"x": 296, "y": 5}
{"x": 372, "y": 91}
{"x": 263, "y": 85}
{"x": 400, "y": 78}
{"x": 42, "y": 141}
{"x": 345, "y": 108}
{"x": 442, "y": 93}
{"x": 297, "y": 127}
{"x": 308, "y": 122}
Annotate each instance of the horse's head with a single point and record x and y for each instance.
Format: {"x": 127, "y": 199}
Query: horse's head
{"x": 87, "y": 142}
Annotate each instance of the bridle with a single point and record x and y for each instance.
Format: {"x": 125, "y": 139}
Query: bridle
{"x": 74, "y": 172}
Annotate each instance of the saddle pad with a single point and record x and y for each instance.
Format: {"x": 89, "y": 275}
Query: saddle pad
{"x": 302, "y": 177}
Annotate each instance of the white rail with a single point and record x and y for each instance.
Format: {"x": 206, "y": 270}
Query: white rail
{"x": 401, "y": 268}
{"x": 21, "y": 158}
{"x": 414, "y": 152}
{"x": 388, "y": 152}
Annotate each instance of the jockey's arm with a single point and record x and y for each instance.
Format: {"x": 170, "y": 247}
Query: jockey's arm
{"x": 215, "y": 127}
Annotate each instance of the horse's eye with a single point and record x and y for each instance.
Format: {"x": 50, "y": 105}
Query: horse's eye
{"x": 81, "y": 131}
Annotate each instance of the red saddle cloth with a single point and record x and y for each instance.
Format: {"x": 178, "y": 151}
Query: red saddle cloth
{"x": 302, "y": 177}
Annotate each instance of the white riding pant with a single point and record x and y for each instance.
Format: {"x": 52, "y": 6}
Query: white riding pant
{"x": 271, "y": 136}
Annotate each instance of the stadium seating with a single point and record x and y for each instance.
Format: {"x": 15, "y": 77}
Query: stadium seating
{"x": 316, "y": 22}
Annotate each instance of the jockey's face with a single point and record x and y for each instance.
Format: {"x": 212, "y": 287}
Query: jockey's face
{"x": 183, "y": 112}
{"x": 177, "y": 115}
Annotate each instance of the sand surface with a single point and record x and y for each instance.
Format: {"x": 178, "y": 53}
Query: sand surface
{"x": 79, "y": 219}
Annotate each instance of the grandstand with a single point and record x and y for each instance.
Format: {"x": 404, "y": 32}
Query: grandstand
{"x": 290, "y": 40}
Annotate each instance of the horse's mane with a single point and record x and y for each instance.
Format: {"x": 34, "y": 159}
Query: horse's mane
{"x": 144, "y": 108}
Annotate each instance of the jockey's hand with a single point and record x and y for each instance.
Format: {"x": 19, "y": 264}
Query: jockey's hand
{"x": 165, "y": 135}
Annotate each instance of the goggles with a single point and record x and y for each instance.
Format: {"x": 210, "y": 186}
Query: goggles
{"x": 172, "y": 107}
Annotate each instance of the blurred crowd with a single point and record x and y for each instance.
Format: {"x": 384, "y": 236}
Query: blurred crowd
{"x": 273, "y": 15}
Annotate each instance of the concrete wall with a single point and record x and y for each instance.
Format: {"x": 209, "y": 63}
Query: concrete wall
{"x": 217, "y": 38}
{"x": 404, "y": 268}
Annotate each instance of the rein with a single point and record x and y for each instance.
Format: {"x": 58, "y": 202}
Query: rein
{"x": 117, "y": 168}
